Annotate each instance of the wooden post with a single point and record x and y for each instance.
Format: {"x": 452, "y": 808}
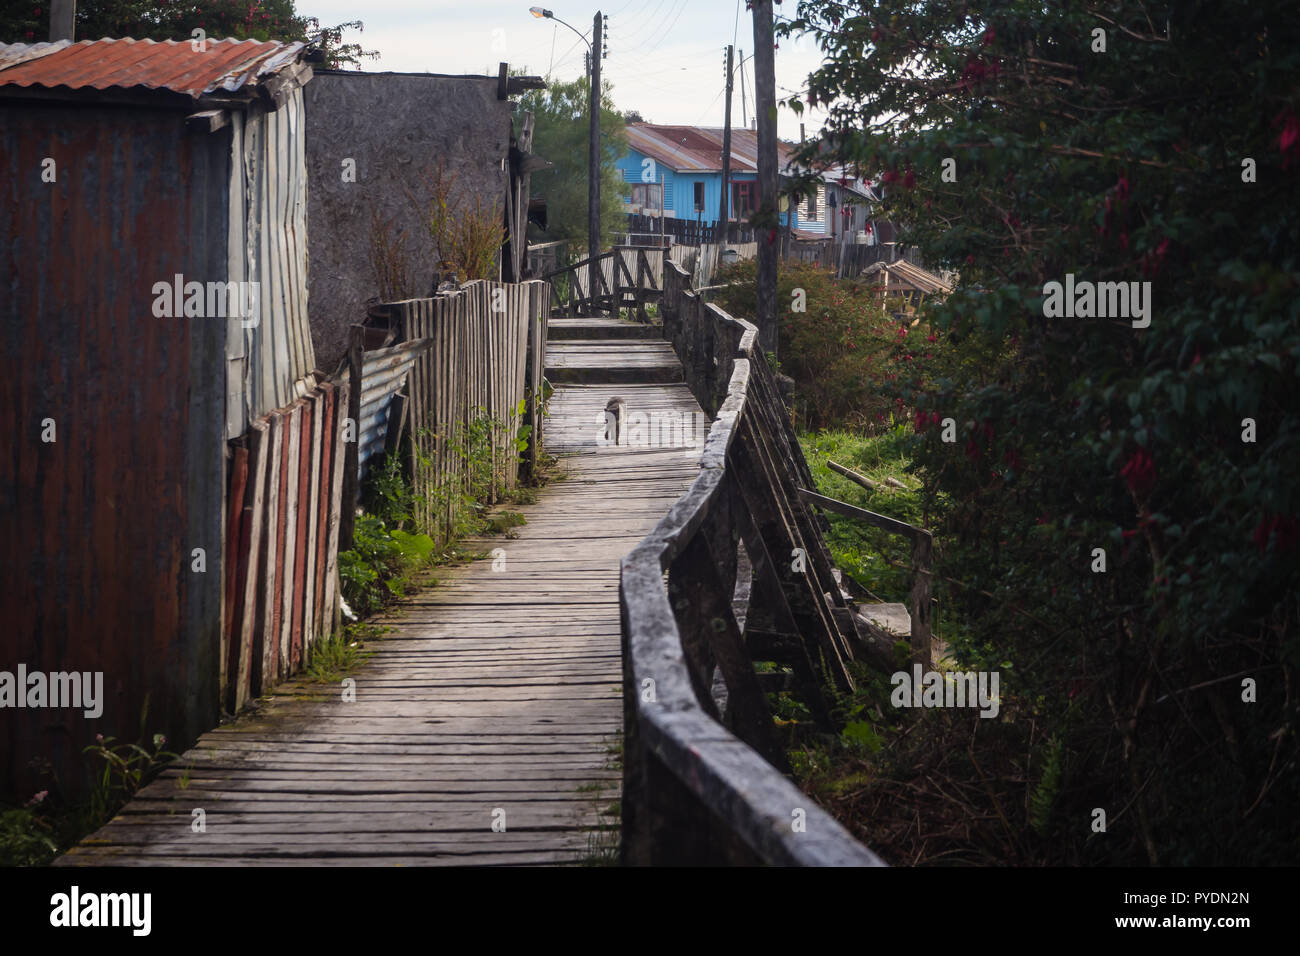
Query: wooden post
{"x": 593, "y": 164}
{"x": 922, "y": 546}
{"x": 765, "y": 112}
{"x": 744, "y": 110}
{"x": 351, "y": 458}
{"x": 662, "y": 217}
{"x": 724, "y": 212}
{"x": 63, "y": 20}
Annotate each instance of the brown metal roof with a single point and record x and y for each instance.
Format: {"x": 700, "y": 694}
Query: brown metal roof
{"x": 172, "y": 65}
{"x": 698, "y": 149}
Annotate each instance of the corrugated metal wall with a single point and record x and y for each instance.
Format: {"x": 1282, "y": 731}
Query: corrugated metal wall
{"x": 268, "y": 363}
{"x": 383, "y": 372}
{"x": 98, "y": 566}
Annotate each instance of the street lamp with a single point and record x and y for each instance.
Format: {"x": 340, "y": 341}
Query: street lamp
{"x": 593, "y": 147}
{"x": 543, "y": 14}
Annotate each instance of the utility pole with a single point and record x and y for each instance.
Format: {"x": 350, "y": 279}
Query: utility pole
{"x": 744, "y": 115}
{"x": 768, "y": 214}
{"x": 593, "y": 165}
{"x": 63, "y": 20}
{"x": 724, "y": 216}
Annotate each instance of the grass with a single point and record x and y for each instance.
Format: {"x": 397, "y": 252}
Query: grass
{"x": 37, "y": 832}
{"x": 603, "y": 837}
{"x": 334, "y": 658}
{"x": 876, "y": 559}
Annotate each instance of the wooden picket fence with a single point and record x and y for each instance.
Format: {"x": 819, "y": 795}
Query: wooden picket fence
{"x": 281, "y": 554}
{"x": 482, "y": 369}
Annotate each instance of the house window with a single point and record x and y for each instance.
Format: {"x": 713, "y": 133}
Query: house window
{"x": 812, "y": 208}
{"x": 742, "y": 200}
{"x": 699, "y": 197}
{"x": 646, "y": 195}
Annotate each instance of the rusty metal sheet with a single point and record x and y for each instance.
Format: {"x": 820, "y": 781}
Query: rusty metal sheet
{"x": 102, "y": 526}
{"x": 383, "y": 373}
{"x": 174, "y": 65}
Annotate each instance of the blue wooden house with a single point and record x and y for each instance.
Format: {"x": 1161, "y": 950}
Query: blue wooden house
{"x": 678, "y": 170}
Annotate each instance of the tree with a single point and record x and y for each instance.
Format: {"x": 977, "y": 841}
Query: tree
{"x": 560, "y": 135}
{"x": 1121, "y": 505}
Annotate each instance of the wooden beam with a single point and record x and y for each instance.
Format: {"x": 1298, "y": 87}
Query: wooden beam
{"x": 208, "y": 121}
{"x": 518, "y": 84}
{"x": 852, "y": 475}
{"x": 862, "y": 514}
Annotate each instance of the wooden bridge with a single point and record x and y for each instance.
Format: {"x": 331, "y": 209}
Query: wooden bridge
{"x": 587, "y": 694}
{"x": 626, "y": 277}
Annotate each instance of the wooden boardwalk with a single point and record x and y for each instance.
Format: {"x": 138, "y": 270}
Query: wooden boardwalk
{"x": 495, "y": 699}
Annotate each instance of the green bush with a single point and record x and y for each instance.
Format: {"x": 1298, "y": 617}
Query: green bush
{"x": 1082, "y": 434}
{"x": 841, "y": 348}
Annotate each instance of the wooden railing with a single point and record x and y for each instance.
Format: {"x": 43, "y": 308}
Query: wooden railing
{"x": 626, "y": 277}
{"x": 689, "y": 232}
{"x": 918, "y": 603}
{"x": 703, "y": 780}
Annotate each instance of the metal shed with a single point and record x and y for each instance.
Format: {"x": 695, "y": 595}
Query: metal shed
{"x": 127, "y": 167}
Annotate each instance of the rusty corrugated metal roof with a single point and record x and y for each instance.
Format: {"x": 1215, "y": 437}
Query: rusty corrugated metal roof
{"x": 698, "y": 149}
{"x": 171, "y": 65}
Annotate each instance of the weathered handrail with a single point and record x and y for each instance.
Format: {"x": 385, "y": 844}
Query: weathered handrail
{"x": 919, "y": 609}
{"x": 616, "y": 285}
{"x": 702, "y": 782}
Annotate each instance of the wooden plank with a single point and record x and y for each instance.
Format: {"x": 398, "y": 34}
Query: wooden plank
{"x": 303, "y": 516}
{"x": 284, "y": 427}
{"x": 266, "y": 631}
{"x": 911, "y": 532}
{"x": 235, "y": 511}
{"x": 919, "y": 604}
{"x": 322, "y": 612}
{"x": 351, "y": 473}
{"x": 291, "y": 482}
{"x": 312, "y": 549}
{"x": 259, "y": 452}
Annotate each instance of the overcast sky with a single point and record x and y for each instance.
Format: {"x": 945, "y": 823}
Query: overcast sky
{"x": 665, "y": 56}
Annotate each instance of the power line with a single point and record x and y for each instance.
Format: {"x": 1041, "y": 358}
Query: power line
{"x": 664, "y": 35}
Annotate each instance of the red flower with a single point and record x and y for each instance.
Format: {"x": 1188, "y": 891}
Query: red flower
{"x": 910, "y": 179}
{"x": 989, "y": 34}
{"x": 1139, "y": 473}
{"x": 972, "y": 449}
{"x": 1283, "y": 528}
{"x": 1151, "y": 260}
{"x": 1289, "y": 138}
